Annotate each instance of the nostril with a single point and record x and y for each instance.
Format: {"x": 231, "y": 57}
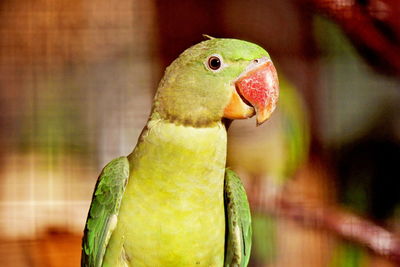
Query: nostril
{"x": 256, "y": 61}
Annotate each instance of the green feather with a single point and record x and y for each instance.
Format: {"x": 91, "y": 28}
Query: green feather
{"x": 103, "y": 211}
{"x": 237, "y": 210}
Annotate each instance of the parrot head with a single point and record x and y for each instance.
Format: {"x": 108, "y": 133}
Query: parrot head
{"x": 216, "y": 79}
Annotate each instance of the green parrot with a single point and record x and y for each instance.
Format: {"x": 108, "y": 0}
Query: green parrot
{"x": 172, "y": 201}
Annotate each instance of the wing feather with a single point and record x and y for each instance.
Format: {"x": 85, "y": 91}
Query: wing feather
{"x": 238, "y": 219}
{"x": 103, "y": 213}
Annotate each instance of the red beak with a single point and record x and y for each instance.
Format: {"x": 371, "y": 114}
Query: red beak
{"x": 259, "y": 86}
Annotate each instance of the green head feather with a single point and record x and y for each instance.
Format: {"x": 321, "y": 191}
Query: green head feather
{"x": 191, "y": 93}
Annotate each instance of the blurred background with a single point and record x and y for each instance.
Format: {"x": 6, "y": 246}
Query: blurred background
{"x": 77, "y": 80}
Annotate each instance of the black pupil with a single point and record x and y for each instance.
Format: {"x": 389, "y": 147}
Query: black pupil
{"x": 214, "y": 63}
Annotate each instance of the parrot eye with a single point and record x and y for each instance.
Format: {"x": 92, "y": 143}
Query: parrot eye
{"x": 214, "y": 62}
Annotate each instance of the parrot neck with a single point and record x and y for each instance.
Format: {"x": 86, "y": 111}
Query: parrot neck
{"x": 182, "y": 148}
{"x": 188, "y": 111}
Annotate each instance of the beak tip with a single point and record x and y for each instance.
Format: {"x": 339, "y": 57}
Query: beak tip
{"x": 262, "y": 117}
{"x": 258, "y": 123}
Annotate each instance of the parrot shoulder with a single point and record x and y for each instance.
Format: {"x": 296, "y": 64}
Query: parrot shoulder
{"x": 238, "y": 221}
{"x": 103, "y": 212}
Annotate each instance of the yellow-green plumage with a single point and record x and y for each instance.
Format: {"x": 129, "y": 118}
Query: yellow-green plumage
{"x": 169, "y": 201}
{"x": 176, "y": 205}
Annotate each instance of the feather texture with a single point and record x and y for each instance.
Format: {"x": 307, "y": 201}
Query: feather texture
{"x": 238, "y": 220}
{"x": 104, "y": 210}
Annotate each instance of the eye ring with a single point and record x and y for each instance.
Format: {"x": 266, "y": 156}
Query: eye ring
{"x": 214, "y": 63}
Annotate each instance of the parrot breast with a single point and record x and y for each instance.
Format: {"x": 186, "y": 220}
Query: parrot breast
{"x": 172, "y": 212}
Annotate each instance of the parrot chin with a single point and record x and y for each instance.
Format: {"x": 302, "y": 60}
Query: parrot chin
{"x": 257, "y": 92}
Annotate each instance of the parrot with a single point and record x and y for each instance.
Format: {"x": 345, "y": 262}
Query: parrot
{"x": 173, "y": 201}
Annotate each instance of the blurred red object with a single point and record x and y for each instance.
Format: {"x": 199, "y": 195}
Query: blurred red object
{"x": 55, "y": 248}
{"x": 372, "y": 25}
